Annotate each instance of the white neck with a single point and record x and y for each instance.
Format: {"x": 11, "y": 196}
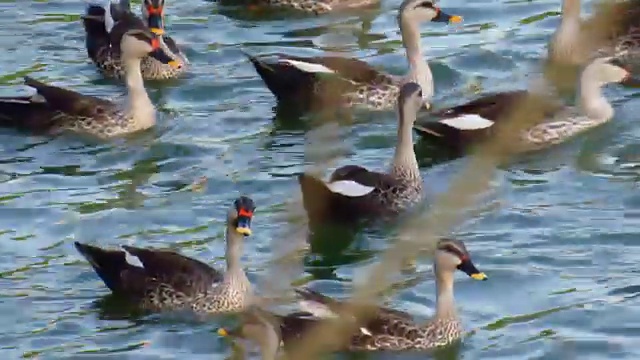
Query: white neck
{"x": 140, "y": 106}
{"x": 419, "y": 70}
{"x": 445, "y": 303}
{"x": 405, "y": 163}
{"x": 592, "y": 101}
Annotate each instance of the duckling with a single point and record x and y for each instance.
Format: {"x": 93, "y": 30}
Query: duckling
{"x": 388, "y": 329}
{"x": 53, "y": 110}
{"x": 315, "y": 82}
{"x": 460, "y": 127}
{"x": 98, "y": 22}
{"x": 353, "y": 192}
{"x": 161, "y": 280}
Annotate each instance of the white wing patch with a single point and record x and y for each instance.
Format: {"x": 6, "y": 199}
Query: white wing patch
{"x": 308, "y": 67}
{"x": 316, "y": 308}
{"x": 365, "y": 331}
{"x": 349, "y": 188}
{"x": 132, "y": 259}
{"x": 468, "y": 122}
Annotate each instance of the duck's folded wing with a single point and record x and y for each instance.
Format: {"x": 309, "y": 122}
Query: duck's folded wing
{"x": 184, "y": 274}
{"x": 324, "y": 306}
{"x": 352, "y": 69}
{"x": 69, "y": 102}
{"x": 374, "y": 181}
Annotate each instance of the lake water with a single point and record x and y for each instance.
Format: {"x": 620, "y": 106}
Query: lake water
{"x": 558, "y": 237}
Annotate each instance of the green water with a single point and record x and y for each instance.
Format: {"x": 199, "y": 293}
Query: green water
{"x": 557, "y": 234}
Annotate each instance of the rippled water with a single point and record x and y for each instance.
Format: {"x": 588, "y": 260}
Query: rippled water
{"x": 559, "y": 240}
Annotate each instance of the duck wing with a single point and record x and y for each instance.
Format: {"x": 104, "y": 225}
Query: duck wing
{"x": 460, "y": 126}
{"x": 324, "y": 306}
{"x": 132, "y": 271}
{"x": 352, "y": 193}
{"x": 48, "y": 108}
{"x": 294, "y": 78}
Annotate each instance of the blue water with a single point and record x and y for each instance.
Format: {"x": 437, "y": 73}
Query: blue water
{"x": 557, "y": 237}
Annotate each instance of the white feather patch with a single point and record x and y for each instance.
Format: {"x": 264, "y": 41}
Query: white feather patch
{"x": 317, "y": 309}
{"x": 349, "y": 188}
{"x": 308, "y": 67}
{"x": 365, "y": 331}
{"x": 468, "y": 122}
{"x": 132, "y": 259}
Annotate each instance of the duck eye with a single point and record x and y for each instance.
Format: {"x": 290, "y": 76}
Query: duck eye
{"x": 420, "y": 93}
{"x": 426, "y": 4}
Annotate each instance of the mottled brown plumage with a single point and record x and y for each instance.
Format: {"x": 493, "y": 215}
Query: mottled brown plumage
{"x": 160, "y": 280}
{"x": 53, "y": 110}
{"x": 314, "y": 83}
{"x": 383, "y": 328}
{"x": 105, "y": 53}
{"x": 354, "y": 193}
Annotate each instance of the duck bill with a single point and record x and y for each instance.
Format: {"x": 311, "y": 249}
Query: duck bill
{"x": 446, "y": 18}
{"x": 470, "y": 269}
{"x": 244, "y": 222}
{"x": 159, "y": 54}
{"x": 156, "y": 24}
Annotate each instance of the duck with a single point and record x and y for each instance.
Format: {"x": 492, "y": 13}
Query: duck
{"x": 54, "y": 110}
{"x": 315, "y": 82}
{"x": 385, "y": 329}
{"x": 162, "y": 280}
{"x": 354, "y": 193}
{"x": 316, "y": 7}
{"x": 457, "y": 128}
{"x": 98, "y": 22}
{"x": 578, "y": 41}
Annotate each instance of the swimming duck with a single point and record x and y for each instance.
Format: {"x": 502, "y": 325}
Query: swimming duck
{"x": 461, "y": 126}
{"x": 314, "y": 82}
{"x": 314, "y": 6}
{"x": 578, "y": 41}
{"x": 388, "y": 329}
{"x": 53, "y": 110}
{"x": 162, "y": 280}
{"x": 98, "y": 22}
{"x": 353, "y": 192}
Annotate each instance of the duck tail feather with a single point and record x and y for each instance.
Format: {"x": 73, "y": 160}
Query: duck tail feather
{"x": 287, "y": 83}
{"x": 316, "y": 197}
{"x": 96, "y": 35}
{"x": 108, "y": 264}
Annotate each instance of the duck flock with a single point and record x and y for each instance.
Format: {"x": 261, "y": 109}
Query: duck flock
{"x": 135, "y": 48}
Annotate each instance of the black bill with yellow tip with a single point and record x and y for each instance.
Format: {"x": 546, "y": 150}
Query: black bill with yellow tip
{"x": 444, "y": 17}
{"x": 159, "y": 54}
{"x": 243, "y": 222}
{"x": 155, "y": 20}
{"x": 470, "y": 269}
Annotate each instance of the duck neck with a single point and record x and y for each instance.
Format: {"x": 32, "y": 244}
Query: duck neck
{"x": 405, "y": 164}
{"x": 140, "y": 106}
{"x": 233, "y": 250}
{"x": 419, "y": 70}
{"x": 592, "y": 101}
{"x": 445, "y": 303}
